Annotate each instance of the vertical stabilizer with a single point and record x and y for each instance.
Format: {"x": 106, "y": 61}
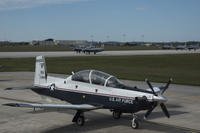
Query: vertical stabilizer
{"x": 40, "y": 71}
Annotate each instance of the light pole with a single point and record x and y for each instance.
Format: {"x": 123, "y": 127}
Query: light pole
{"x": 142, "y": 36}
{"x": 92, "y": 36}
{"x": 107, "y": 37}
{"x": 124, "y": 37}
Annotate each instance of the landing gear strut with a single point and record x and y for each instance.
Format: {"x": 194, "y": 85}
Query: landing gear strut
{"x": 79, "y": 118}
{"x": 135, "y": 122}
{"x": 117, "y": 114}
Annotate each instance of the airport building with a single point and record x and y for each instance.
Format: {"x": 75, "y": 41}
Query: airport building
{"x": 44, "y": 42}
{"x": 71, "y": 42}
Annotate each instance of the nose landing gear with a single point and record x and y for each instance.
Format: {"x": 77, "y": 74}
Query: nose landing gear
{"x": 135, "y": 122}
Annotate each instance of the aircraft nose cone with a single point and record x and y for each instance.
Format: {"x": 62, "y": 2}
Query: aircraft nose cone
{"x": 160, "y": 98}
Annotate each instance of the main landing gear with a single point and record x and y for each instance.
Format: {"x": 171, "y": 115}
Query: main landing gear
{"x": 79, "y": 118}
{"x": 117, "y": 114}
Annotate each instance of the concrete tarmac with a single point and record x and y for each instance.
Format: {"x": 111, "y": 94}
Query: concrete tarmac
{"x": 104, "y": 53}
{"x": 183, "y": 105}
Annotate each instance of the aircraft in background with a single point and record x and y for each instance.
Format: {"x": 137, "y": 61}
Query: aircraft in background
{"x": 93, "y": 49}
{"x": 92, "y": 89}
{"x": 167, "y": 46}
{"x": 78, "y": 49}
{"x": 181, "y": 47}
{"x": 87, "y": 49}
{"x": 193, "y": 47}
{"x": 187, "y": 47}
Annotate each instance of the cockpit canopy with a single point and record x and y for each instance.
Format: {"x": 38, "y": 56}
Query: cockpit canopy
{"x": 96, "y": 77}
{"x": 82, "y": 76}
{"x": 102, "y": 79}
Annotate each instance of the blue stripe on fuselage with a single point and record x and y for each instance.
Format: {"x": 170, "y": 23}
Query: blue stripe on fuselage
{"x": 108, "y": 102}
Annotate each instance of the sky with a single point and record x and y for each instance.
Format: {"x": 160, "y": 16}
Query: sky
{"x": 100, "y": 20}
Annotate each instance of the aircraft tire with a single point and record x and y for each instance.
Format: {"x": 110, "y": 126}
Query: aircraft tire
{"x": 135, "y": 123}
{"x": 80, "y": 121}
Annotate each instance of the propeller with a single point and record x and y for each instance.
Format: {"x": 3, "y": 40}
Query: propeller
{"x": 155, "y": 103}
{"x": 150, "y": 86}
{"x": 164, "y": 108}
{"x": 164, "y": 88}
{"x": 151, "y": 109}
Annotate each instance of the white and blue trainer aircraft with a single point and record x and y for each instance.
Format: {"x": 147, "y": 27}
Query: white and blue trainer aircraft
{"x": 91, "y": 89}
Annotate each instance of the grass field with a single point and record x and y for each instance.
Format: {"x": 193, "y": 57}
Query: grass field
{"x": 184, "y": 69}
{"x": 28, "y": 48}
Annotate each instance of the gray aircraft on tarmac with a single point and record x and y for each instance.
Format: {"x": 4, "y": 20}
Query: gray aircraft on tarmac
{"x": 193, "y": 47}
{"x": 181, "y": 47}
{"x": 168, "y": 46}
{"x": 87, "y": 49}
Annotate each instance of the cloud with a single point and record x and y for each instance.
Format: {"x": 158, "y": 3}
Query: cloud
{"x": 20, "y": 4}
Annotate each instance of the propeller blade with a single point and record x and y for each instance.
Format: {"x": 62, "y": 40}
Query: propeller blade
{"x": 150, "y": 110}
{"x": 150, "y": 86}
{"x": 166, "y": 86}
{"x": 162, "y": 105}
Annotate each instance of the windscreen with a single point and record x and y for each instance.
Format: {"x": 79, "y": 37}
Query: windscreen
{"x": 114, "y": 82}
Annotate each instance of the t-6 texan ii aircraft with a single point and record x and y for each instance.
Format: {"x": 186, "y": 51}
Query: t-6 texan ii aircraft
{"x": 91, "y": 89}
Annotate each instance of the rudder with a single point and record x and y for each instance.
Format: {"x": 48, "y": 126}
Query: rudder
{"x": 40, "y": 71}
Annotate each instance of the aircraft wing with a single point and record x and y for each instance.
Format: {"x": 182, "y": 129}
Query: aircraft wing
{"x": 54, "y": 106}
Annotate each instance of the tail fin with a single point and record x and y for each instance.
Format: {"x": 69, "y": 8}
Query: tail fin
{"x": 40, "y": 71}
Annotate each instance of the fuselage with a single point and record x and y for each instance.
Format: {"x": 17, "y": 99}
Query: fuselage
{"x": 74, "y": 92}
{"x": 92, "y": 89}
